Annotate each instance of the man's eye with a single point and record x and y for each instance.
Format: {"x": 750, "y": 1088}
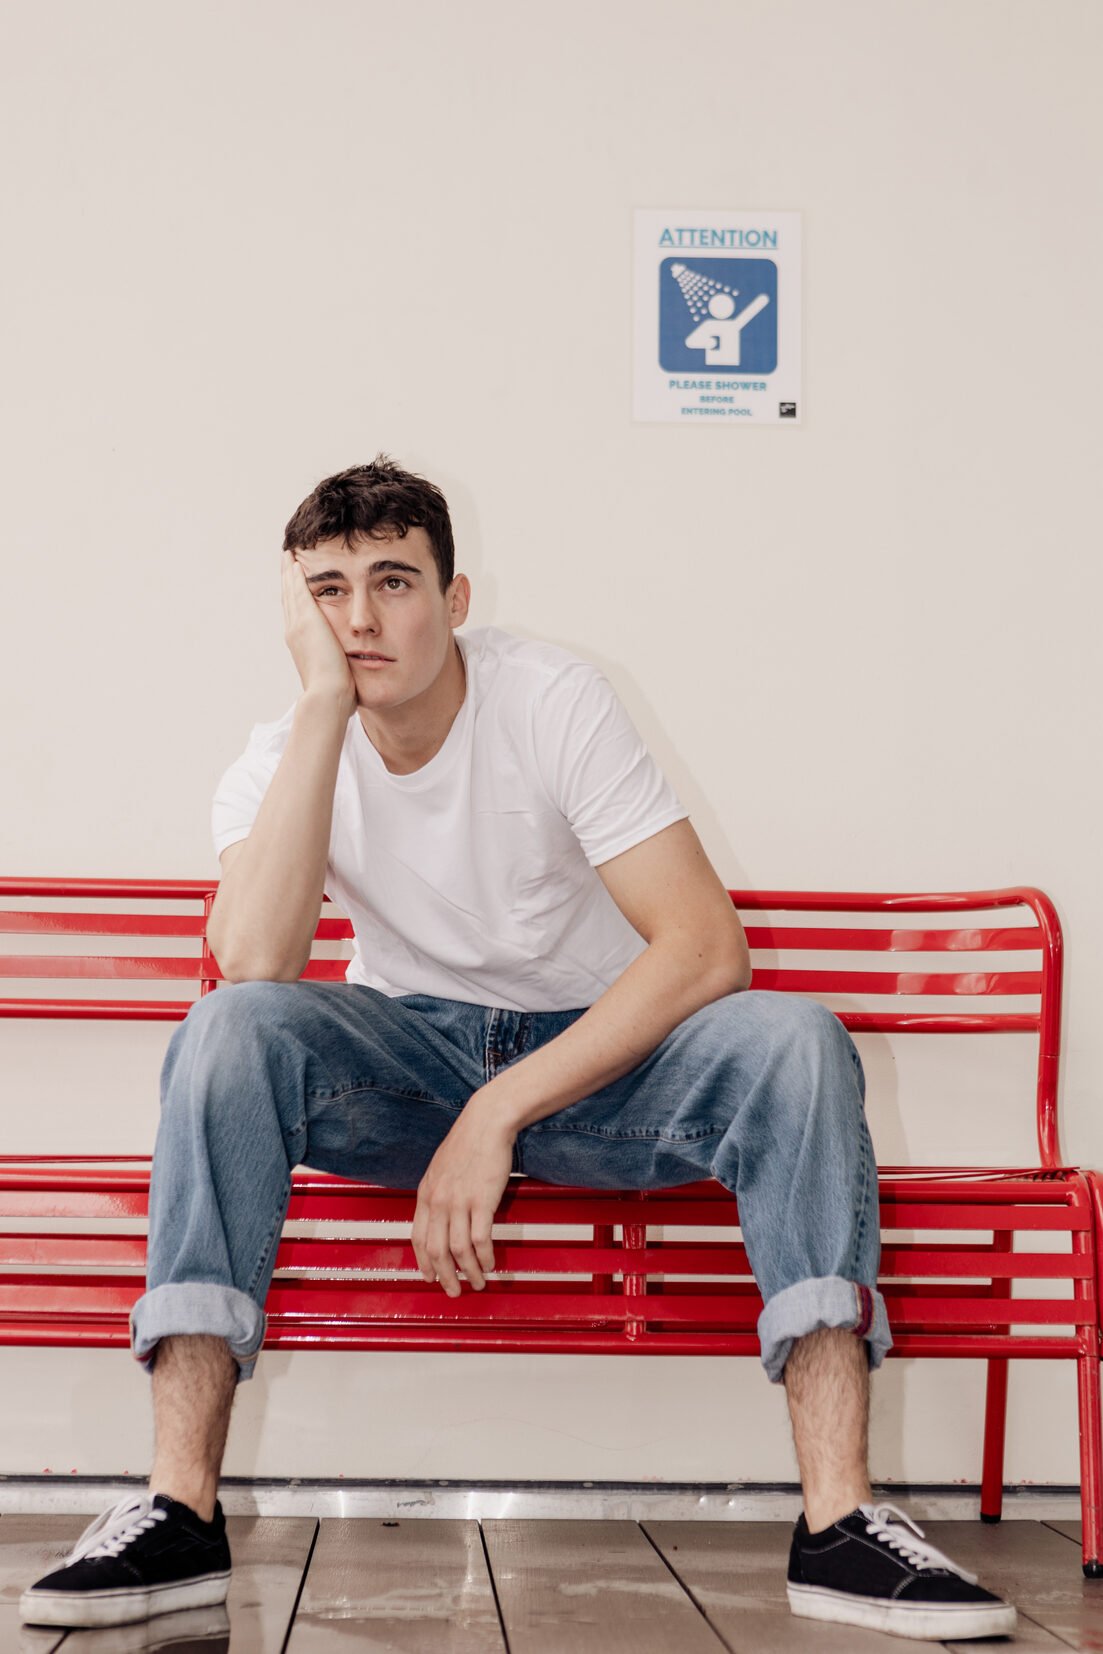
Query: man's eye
{"x": 396, "y": 580}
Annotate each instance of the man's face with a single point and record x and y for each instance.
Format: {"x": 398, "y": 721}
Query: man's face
{"x": 384, "y": 604}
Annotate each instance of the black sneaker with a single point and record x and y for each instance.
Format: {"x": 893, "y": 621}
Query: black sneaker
{"x": 874, "y": 1568}
{"x": 145, "y": 1556}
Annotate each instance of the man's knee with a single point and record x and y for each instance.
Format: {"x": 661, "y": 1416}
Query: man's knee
{"x": 227, "y": 1048}
{"x": 242, "y": 1005}
{"x": 236, "y": 1015}
{"x": 771, "y": 1024}
{"x": 785, "y": 1064}
{"x": 808, "y": 1039}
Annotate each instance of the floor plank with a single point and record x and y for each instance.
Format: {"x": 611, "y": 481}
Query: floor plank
{"x": 1029, "y": 1638}
{"x": 31, "y": 1546}
{"x": 1071, "y": 1530}
{"x": 736, "y": 1572}
{"x": 270, "y": 1556}
{"x": 590, "y": 1587}
{"x": 1033, "y": 1567}
{"x": 405, "y": 1587}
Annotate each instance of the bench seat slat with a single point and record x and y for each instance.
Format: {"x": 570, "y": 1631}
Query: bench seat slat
{"x": 549, "y": 1302}
{"x": 669, "y": 1257}
{"x": 341, "y": 1335}
{"x": 131, "y": 1172}
{"x": 43, "y": 1204}
{"x": 909, "y": 1199}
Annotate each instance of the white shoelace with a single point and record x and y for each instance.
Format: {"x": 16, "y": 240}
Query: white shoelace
{"x": 110, "y": 1533}
{"x": 893, "y": 1528}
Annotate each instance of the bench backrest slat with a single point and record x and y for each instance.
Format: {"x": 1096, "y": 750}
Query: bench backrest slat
{"x": 900, "y": 982}
{"x": 92, "y": 967}
{"x": 30, "y": 923}
{"x": 811, "y": 939}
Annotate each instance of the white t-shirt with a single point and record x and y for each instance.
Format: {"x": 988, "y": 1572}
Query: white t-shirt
{"x": 473, "y": 878}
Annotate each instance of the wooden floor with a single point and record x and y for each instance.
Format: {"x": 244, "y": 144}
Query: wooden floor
{"x": 542, "y": 1587}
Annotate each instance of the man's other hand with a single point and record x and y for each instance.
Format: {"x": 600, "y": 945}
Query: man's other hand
{"x": 459, "y": 1195}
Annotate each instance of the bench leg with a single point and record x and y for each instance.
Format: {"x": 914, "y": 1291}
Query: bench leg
{"x": 1091, "y": 1464}
{"x": 995, "y": 1433}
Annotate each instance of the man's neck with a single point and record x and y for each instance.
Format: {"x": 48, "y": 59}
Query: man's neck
{"x": 407, "y": 737}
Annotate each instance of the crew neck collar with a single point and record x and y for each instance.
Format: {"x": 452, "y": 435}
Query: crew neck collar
{"x": 443, "y": 758}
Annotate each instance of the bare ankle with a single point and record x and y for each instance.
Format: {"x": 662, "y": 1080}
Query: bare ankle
{"x": 821, "y": 1510}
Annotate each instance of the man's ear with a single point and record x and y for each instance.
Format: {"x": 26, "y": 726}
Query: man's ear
{"x": 459, "y": 600}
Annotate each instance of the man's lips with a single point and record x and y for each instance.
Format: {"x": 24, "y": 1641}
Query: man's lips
{"x": 368, "y": 658}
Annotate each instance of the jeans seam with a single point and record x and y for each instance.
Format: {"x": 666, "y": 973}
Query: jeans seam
{"x": 632, "y": 1136}
{"x": 364, "y": 1085}
{"x": 492, "y": 1055}
{"x": 862, "y": 1204}
{"x": 271, "y": 1243}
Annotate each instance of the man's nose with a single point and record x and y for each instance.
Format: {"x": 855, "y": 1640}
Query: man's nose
{"x": 362, "y": 616}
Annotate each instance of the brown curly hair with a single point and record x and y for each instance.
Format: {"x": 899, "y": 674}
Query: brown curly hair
{"x": 376, "y": 500}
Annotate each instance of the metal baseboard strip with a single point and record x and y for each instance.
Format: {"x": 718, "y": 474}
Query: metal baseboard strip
{"x": 605, "y": 1501}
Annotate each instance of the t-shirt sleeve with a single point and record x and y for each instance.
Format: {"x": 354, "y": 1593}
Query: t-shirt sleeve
{"x": 595, "y": 765}
{"x": 238, "y": 795}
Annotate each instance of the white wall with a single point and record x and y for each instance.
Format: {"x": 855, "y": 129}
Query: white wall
{"x": 250, "y": 244}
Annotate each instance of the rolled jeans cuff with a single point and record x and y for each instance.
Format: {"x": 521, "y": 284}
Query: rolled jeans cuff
{"x": 812, "y": 1305}
{"x": 198, "y": 1307}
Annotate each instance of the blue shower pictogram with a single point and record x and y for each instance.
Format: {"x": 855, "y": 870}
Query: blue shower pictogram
{"x": 718, "y": 315}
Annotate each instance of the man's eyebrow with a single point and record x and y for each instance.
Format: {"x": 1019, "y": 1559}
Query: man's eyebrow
{"x": 386, "y": 565}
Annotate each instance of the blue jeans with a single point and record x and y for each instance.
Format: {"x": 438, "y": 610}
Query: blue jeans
{"x": 763, "y": 1091}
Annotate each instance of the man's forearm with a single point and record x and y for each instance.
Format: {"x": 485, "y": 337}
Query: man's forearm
{"x": 266, "y": 910}
{"x": 666, "y": 984}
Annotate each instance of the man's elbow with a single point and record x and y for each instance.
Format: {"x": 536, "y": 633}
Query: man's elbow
{"x": 260, "y": 973}
{"x": 710, "y": 974}
{"x": 731, "y": 956}
{"x": 715, "y": 962}
{"x": 731, "y": 974}
{"x": 241, "y": 968}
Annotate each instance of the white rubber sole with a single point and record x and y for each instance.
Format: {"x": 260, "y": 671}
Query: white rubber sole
{"x": 89, "y": 1608}
{"x": 902, "y": 1619}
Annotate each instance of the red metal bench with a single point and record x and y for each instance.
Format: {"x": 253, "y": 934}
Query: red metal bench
{"x": 637, "y": 1280}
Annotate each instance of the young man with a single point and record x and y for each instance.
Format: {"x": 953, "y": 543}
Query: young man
{"x": 549, "y": 977}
